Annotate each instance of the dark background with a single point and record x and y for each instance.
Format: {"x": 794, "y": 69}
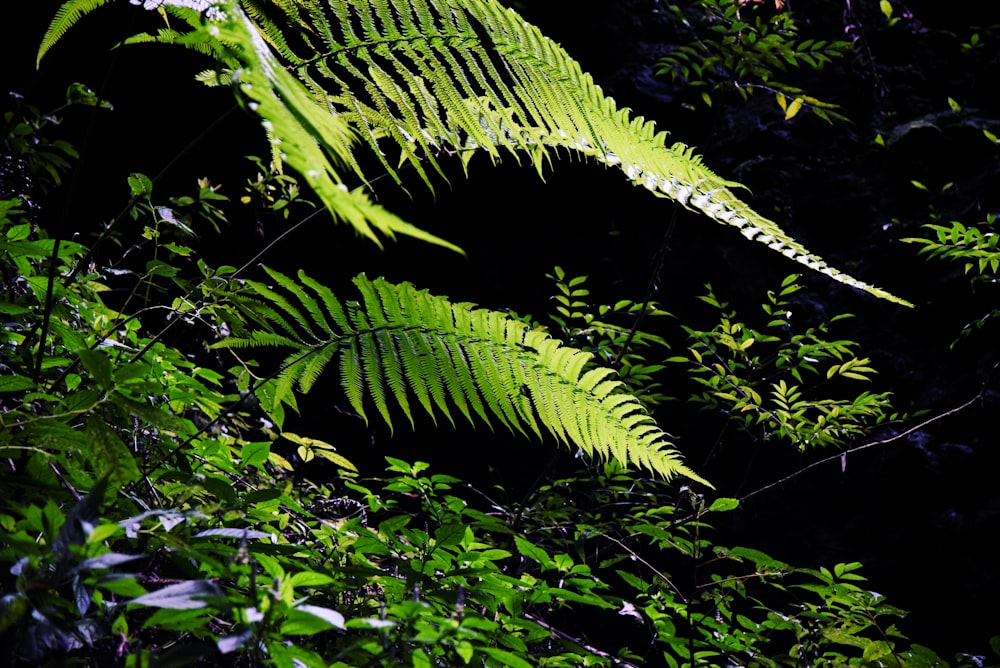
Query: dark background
{"x": 922, "y": 514}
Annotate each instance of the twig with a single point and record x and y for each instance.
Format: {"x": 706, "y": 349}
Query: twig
{"x": 885, "y": 441}
{"x": 565, "y": 636}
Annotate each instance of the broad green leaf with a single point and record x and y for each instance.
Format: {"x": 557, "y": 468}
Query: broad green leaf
{"x": 309, "y": 579}
{"x": 307, "y": 619}
{"x": 449, "y": 534}
{"x": 724, "y": 504}
{"x": 534, "y": 552}
{"x": 109, "y": 455}
{"x": 15, "y": 383}
{"x": 188, "y": 595}
{"x": 140, "y": 185}
{"x": 254, "y": 454}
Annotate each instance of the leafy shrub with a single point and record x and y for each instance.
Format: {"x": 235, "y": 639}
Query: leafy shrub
{"x": 735, "y": 49}
{"x": 773, "y": 382}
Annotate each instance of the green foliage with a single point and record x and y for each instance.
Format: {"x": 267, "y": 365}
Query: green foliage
{"x": 156, "y": 512}
{"x": 774, "y": 383}
{"x": 225, "y": 559}
{"x": 42, "y": 159}
{"x": 736, "y": 49}
{"x": 620, "y": 346}
{"x": 417, "y": 569}
{"x": 975, "y": 247}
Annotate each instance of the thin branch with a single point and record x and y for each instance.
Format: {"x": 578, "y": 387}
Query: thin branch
{"x": 651, "y": 289}
{"x": 648, "y": 565}
{"x": 565, "y": 636}
{"x": 864, "y": 446}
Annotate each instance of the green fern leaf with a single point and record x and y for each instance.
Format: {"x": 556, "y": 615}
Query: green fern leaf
{"x": 429, "y": 70}
{"x": 68, "y": 14}
{"x": 400, "y": 342}
{"x": 436, "y": 77}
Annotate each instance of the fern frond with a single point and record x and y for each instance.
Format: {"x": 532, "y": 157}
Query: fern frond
{"x": 437, "y": 75}
{"x": 399, "y": 343}
{"x": 303, "y": 131}
{"x": 68, "y": 14}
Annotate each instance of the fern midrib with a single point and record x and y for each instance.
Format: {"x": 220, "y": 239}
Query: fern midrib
{"x": 370, "y": 45}
{"x": 391, "y": 328}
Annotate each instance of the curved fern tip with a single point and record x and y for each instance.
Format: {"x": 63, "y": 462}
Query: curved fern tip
{"x": 691, "y": 475}
{"x": 65, "y": 18}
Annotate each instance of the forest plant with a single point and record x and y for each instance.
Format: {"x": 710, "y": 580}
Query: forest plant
{"x": 301, "y": 131}
{"x": 400, "y": 343}
{"x": 227, "y": 556}
{"x": 770, "y": 381}
{"x": 616, "y": 345}
{"x": 225, "y": 559}
{"x": 739, "y": 48}
{"x": 974, "y": 247}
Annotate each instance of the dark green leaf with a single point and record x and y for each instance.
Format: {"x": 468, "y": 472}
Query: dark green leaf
{"x": 188, "y": 595}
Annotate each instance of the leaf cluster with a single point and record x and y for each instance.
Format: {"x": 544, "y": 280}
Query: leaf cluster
{"x": 616, "y": 334}
{"x": 735, "y": 49}
{"x": 776, "y": 383}
{"x": 974, "y": 246}
{"x": 415, "y": 568}
{"x": 194, "y": 540}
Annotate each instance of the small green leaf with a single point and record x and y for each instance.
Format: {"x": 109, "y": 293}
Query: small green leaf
{"x": 534, "y": 552}
{"x": 464, "y": 649}
{"x": 309, "y": 579}
{"x": 110, "y": 456}
{"x": 505, "y": 658}
{"x": 15, "y": 383}
{"x": 309, "y": 619}
{"x": 877, "y": 650}
{"x": 140, "y": 185}
{"x": 449, "y": 534}
{"x": 220, "y": 487}
{"x": 793, "y": 108}
{"x": 254, "y": 454}
{"x": 724, "y": 504}
{"x": 77, "y": 93}
{"x": 99, "y": 366}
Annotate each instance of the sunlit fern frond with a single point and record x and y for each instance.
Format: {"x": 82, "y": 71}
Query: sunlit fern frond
{"x": 400, "y": 348}
{"x": 68, "y": 14}
{"x": 442, "y": 76}
{"x": 433, "y": 77}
